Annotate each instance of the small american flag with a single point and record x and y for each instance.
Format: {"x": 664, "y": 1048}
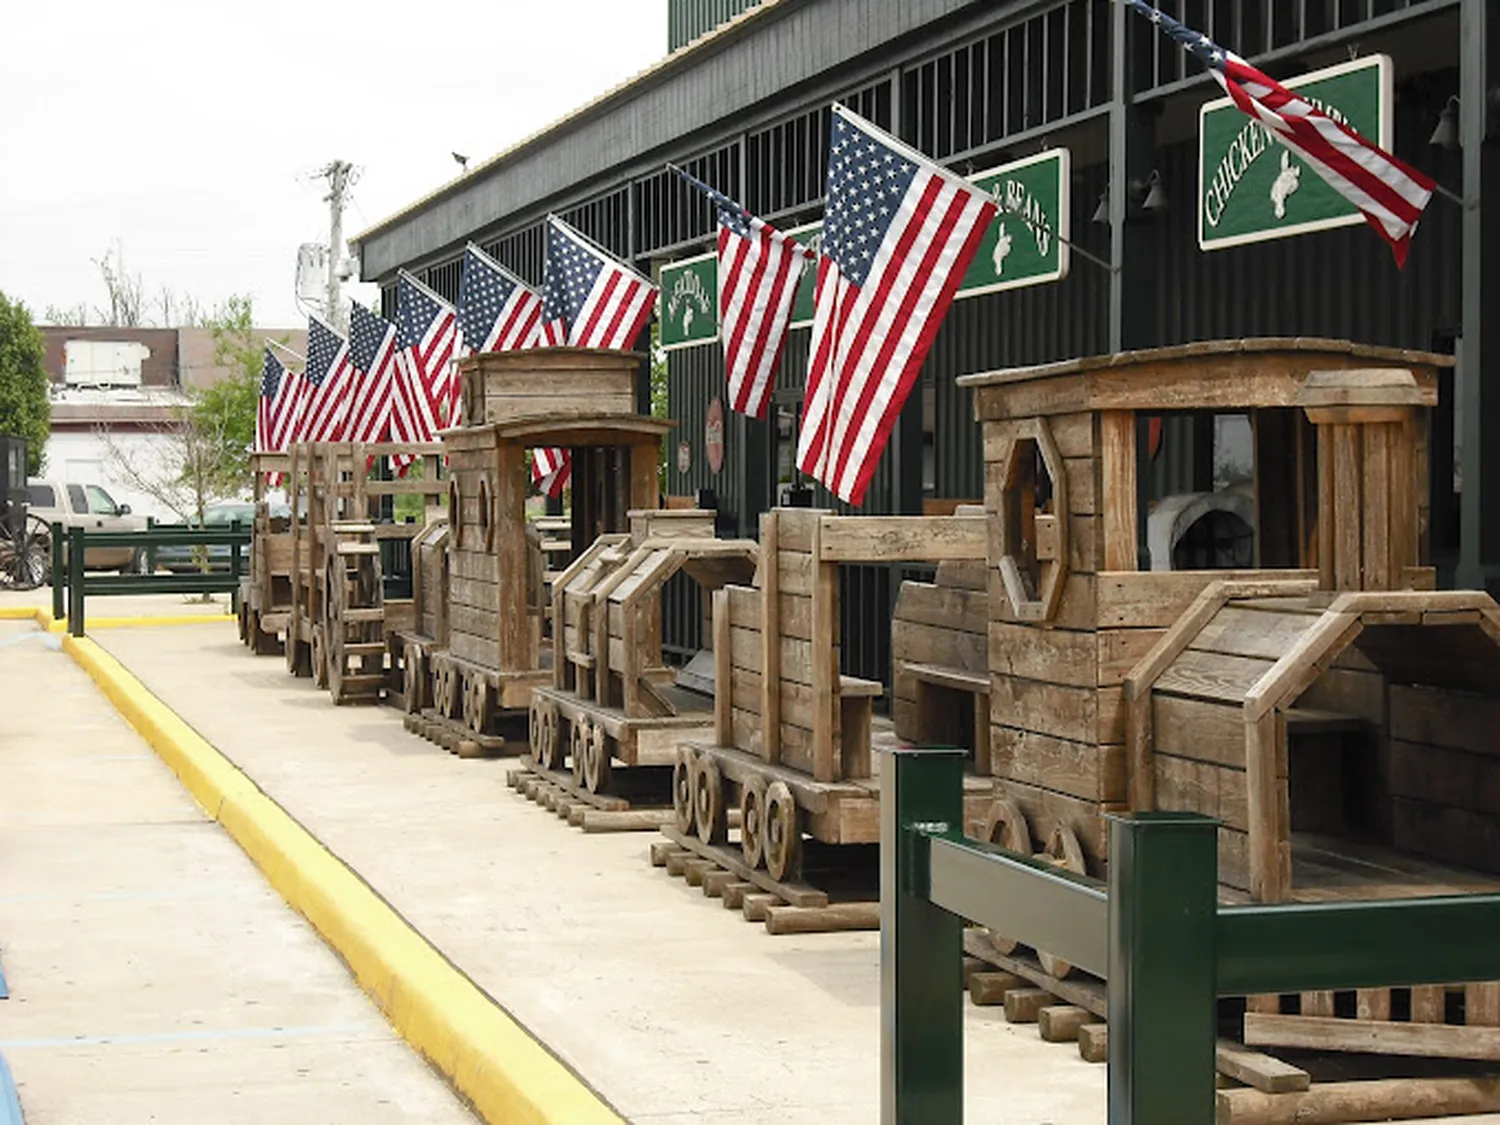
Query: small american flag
{"x": 328, "y": 379}
{"x": 1391, "y": 194}
{"x": 898, "y": 234}
{"x": 427, "y": 343}
{"x": 372, "y": 352}
{"x": 590, "y": 300}
{"x": 277, "y": 408}
{"x": 759, "y": 270}
{"x": 497, "y": 311}
{"x": 551, "y": 470}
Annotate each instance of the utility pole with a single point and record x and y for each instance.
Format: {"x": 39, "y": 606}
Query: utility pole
{"x": 340, "y": 175}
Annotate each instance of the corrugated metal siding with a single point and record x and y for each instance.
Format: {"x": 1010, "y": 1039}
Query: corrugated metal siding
{"x": 688, "y": 19}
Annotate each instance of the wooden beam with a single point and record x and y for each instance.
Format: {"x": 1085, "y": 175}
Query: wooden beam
{"x": 1382, "y": 1099}
{"x": 825, "y": 661}
{"x": 1264, "y": 820}
{"x": 1259, "y": 1070}
{"x": 770, "y": 648}
{"x": 1373, "y": 1037}
{"x": 1118, "y": 471}
{"x": 901, "y": 538}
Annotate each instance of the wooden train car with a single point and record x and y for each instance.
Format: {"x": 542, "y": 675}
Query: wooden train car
{"x": 496, "y": 648}
{"x": 792, "y": 736}
{"x": 339, "y": 620}
{"x": 612, "y": 696}
{"x": 265, "y": 601}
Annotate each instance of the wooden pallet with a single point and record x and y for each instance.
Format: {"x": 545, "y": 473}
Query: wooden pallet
{"x": 784, "y": 908}
{"x": 455, "y": 737}
{"x": 556, "y": 791}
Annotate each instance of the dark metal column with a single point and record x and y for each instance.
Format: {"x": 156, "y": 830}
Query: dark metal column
{"x": 1132, "y": 286}
{"x": 1163, "y": 887}
{"x": 921, "y": 993}
{"x": 1479, "y": 350}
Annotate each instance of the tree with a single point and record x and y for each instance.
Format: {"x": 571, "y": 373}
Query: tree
{"x": 127, "y": 294}
{"x": 24, "y": 410}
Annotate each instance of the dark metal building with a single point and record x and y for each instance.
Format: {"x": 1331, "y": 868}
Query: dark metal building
{"x": 976, "y": 83}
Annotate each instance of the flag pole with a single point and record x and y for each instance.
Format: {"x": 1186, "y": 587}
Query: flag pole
{"x": 279, "y": 346}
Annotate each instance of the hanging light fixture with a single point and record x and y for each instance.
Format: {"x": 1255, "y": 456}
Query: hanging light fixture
{"x": 1156, "y": 194}
{"x": 1446, "y": 134}
{"x": 1101, "y": 212}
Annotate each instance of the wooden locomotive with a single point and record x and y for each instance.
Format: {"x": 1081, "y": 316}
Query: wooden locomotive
{"x": 339, "y": 619}
{"x": 612, "y": 697}
{"x": 494, "y": 649}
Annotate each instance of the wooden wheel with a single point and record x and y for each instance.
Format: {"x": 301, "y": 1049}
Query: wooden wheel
{"x": 1006, "y": 826}
{"x": 783, "y": 832}
{"x": 578, "y": 746}
{"x": 682, "y": 790}
{"x": 708, "y": 801}
{"x": 534, "y": 722}
{"x": 244, "y": 622}
{"x": 262, "y": 643}
{"x": 753, "y": 820}
{"x": 1062, "y": 850}
{"x": 575, "y": 760}
{"x": 413, "y": 679}
{"x": 596, "y": 759}
{"x": 298, "y": 660}
{"x": 477, "y": 699}
{"x": 445, "y": 689}
{"x": 318, "y": 654}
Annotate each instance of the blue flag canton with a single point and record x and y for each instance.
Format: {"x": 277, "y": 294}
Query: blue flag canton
{"x": 367, "y": 332}
{"x": 571, "y": 271}
{"x": 322, "y": 346}
{"x": 482, "y": 294}
{"x": 415, "y": 313}
{"x": 1195, "y": 43}
{"x": 271, "y": 374}
{"x": 867, "y": 180}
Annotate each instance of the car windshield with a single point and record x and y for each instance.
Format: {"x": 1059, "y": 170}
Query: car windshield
{"x": 223, "y": 517}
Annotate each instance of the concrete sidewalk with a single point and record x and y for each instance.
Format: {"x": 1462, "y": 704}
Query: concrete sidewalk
{"x": 674, "y": 1009}
{"x": 153, "y": 974}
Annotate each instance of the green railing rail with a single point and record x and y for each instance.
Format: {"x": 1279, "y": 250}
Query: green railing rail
{"x": 1155, "y": 931}
{"x": 71, "y": 586}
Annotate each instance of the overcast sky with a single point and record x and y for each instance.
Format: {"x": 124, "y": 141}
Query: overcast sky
{"x": 188, "y": 132}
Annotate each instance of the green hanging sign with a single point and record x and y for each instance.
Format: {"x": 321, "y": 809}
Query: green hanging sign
{"x": 688, "y": 302}
{"x": 1251, "y": 188}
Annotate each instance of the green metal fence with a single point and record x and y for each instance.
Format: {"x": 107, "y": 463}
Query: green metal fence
{"x": 1155, "y": 931}
{"x": 71, "y": 586}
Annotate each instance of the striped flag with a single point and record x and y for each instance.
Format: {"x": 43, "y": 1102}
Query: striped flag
{"x": 329, "y": 378}
{"x": 497, "y": 311}
{"x": 372, "y": 353}
{"x": 277, "y": 408}
{"x": 426, "y": 345}
{"x": 590, "y": 300}
{"x": 898, "y": 234}
{"x": 759, "y": 269}
{"x": 1391, "y": 194}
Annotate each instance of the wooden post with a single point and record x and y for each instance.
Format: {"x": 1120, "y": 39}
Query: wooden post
{"x": 510, "y": 556}
{"x": 825, "y": 660}
{"x": 723, "y": 672}
{"x": 1265, "y": 828}
{"x": 645, "y": 492}
{"x": 770, "y": 638}
{"x": 1117, "y": 469}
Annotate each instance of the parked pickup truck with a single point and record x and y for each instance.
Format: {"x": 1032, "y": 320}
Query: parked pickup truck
{"x": 90, "y": 507}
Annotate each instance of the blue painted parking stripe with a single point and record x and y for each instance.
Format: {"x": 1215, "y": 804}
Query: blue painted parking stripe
{"x": 4, "y": 988}
{"x": 10, "y": 1103}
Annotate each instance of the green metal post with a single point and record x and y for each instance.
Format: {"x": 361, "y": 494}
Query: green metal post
{"x": 921, "y": 945}
{"x": 59, "y": 571}
{"x": 150, "y": 549}
{"x": 1163, "y": 887}
{"x": 234, "y": 569}
{"x": 75, "y": 581}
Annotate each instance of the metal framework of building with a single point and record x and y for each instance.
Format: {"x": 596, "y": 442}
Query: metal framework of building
{"x": 976, "y": 83}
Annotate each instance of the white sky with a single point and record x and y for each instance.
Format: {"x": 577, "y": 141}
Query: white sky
{"x": 185, "y": 131}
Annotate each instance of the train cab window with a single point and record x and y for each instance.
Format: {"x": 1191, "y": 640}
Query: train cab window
{"x": 1225, "y": 490}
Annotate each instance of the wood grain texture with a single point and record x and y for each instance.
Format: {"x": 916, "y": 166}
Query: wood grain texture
{"x": 1117, "y": 466}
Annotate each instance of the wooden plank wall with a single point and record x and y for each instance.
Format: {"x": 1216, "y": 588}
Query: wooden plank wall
{"x": 1445, "y": 774}
{"x": 944, "y": 623}
{"x": 474, "y": 578}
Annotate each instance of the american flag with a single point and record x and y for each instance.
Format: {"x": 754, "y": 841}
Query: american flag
{"x": 277, "y": 408}
{"x": 372, "y": 352}
{"x": 1390, "y": 193}
{"x": 759, "y": 269}
{"x": 328, "y": 378}
{"x": 497, "y": 311}
{"x": 426, "y": 342}
{"x": 590, "y": 300}
{"x": 898, "y": 234}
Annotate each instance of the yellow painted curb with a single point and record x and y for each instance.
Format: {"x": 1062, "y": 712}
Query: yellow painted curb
{"x": 44, "y": 618}
{"x": 488, "y": 1057}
